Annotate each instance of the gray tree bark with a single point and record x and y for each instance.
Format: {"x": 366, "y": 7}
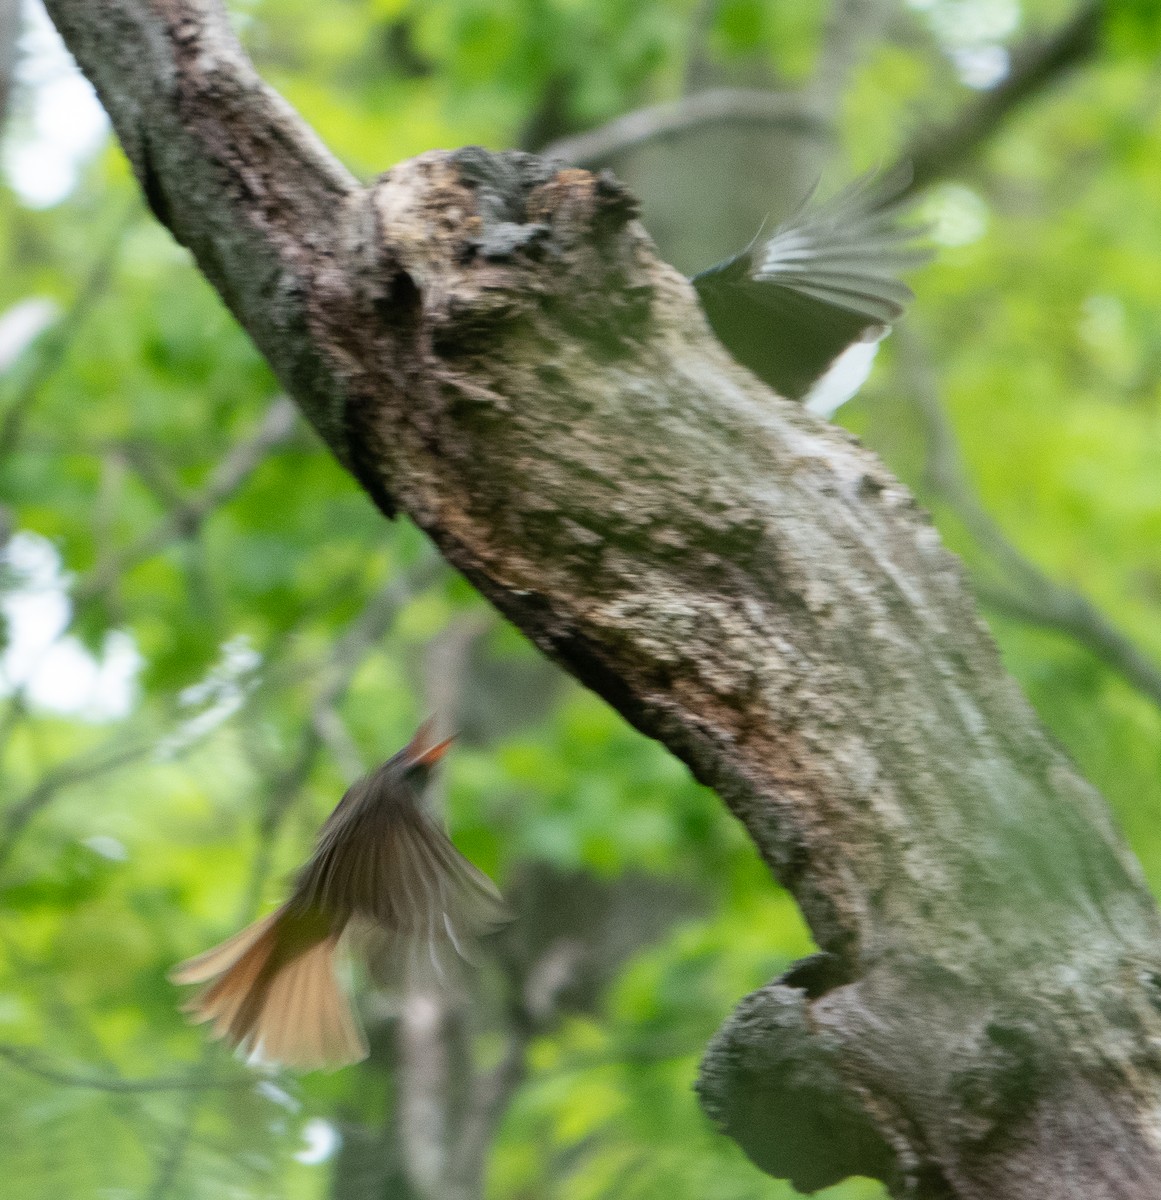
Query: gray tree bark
{"x": 492, "y": 346}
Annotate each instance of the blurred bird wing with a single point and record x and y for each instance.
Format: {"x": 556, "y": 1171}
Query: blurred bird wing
{"x": 792, "y": 302}
{"x": 415, "y": 901}
{"x": 387, "y": 861}
{"x": 472, "y": 905}
{"x": 848, "y": 251}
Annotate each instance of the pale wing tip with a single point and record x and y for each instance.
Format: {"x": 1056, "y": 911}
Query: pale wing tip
{"x": 192, "y": 970}
{"x": 256, "y": 1056}
{"x": 496, "y": 911}
{"x": 194, "y": 1010}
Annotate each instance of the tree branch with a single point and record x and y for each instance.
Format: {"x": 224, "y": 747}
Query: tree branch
{"x": 851, "y": 25}
{"x": 9, "y": 36}
{"x": 436, "y": 1080}
{"x": 1026, "y": 593}
{"x": 491, "y": 344}
{"x": 80, "y": 769}
{"x": 717, "y": 106}
{"x": 29, "y": 1060}
{"x": 1038, "y": 63}
{"x": 933, "y": 154}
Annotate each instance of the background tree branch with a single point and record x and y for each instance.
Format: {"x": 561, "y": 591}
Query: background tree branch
{"x": 716, "y": 106}
{"x": 1017, "y": 587}
{"x": 1037, "y": 64}
{"x": 34, "y": 1063}
{"x": 9, "y": 37}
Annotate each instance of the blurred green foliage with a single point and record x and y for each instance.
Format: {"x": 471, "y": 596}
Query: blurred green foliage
{"x": 1043, "y": 326}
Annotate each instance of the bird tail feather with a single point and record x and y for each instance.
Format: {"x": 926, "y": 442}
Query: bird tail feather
{"x": 272, "y": 991}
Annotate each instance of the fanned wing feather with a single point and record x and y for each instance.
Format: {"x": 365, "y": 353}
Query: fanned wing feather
{"x": 826, "y": 278}
{"x": 414, "y": 898}
{"x": 306, "y": 1021}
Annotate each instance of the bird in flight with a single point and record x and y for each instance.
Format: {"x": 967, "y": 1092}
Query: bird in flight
{"x": 385, "y": 878}
{"x": 827, "y": 279}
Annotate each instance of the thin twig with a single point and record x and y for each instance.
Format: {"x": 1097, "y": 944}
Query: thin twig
{"x": 57, "y": 341}
{"x": 66, "y": 1019}
{"x": 850, "y": 27}
{"x": 87, "y": 766}
{"x": 9, "y": 36}
{"x": 31, "y": 1061}
{"x": 718, "y": 106}
{"x": 83, "y": 768}
{"x": 336, "y": 737}
{"x": 276, "y": 427}
{"x": 699, "y": 69}
{"x": 933, "y": 154}
{"x": 153, "y": 470}
{"x": 169, "y": 1161}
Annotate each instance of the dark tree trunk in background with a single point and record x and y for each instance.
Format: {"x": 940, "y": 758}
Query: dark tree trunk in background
{"x": 493, "y": 347}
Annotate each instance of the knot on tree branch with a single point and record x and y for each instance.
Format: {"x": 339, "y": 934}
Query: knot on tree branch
{"x": 467, "y": 283}
{"x": 770, "y": 1080}
{"x": 820, "y": 1075}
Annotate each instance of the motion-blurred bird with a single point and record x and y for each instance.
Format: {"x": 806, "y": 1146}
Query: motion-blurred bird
{"x": 383, "y": 873}
{"x": 790, "y": 303}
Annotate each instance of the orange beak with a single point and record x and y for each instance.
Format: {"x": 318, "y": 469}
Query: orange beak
{"x": 417, "y": 756}
{"x": 430, "y": 757}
